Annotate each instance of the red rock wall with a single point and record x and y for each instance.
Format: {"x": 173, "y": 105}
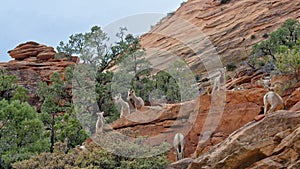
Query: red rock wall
{"x": 232, "y": 28}
{"x": 240, "y": 108}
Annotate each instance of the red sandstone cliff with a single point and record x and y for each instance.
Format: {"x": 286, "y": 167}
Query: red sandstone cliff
{"x": 232, "y": 28}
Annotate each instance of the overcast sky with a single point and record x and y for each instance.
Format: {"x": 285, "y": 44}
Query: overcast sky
{"x": 51, "y": 21}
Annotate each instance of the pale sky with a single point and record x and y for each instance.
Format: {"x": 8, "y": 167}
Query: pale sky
{"x": 49, "y": 22}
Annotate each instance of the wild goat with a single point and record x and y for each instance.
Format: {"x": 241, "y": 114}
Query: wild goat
{"x": 138, "y": 101}
{"x": 130, "y": 102}
{"x": 218, "y": 80}
{"x": 100, "y": 123}
{"x": 125, "y": 110}
{"x": 179, "y": 146}
{"x": 274, "y": 100}
{"x": 81, "y": 147}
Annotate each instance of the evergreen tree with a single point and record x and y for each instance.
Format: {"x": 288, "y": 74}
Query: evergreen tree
{"x": 176, "y": 83}
{"x": 264, "y": 53}
{"x": 57, "y": 111}
{"x": 134, "y": 70}
{"x": 21, "y": 132}
{"x": 90, "y": 46}
{"x": 10, "y": 90}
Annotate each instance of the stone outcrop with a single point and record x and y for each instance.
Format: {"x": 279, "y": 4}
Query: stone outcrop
{"x": 192, "y": 118}
{"x": 272, "y": 142}
{"x": 32, "y": 49}
{"x": 232, "y": 28}
{"x": 35, "y": 63}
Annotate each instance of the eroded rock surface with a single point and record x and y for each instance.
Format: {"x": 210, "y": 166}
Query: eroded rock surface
{"x": 194, "y": 118}
{"x": 270, "y": 143}
{"x": 232, "y": 28}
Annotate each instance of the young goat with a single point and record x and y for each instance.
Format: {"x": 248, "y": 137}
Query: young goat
{"x": 100, "y": 123}
{"x": 274, "y": 100}
{"x": 179, "y": 146}
{"x": 125, "y": 110}
{"x": 138, "y": 101}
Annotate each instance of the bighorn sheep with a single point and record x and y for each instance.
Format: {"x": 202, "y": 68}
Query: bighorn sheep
{"x": 138, "y": 101}
{"x": 100, "y": 123}
{"x": 179, "y": 146}
{"x": 266, "y": 81}
{"x": 130, "y": 102}
{"x": 82, "y": 147}
{"x": 274, "y": 100}
{"x": 125, "y": 110}
{"x": 218, "y": 80}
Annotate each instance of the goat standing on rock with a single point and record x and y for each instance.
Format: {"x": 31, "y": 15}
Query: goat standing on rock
{"x": 100, "y": 123}
{"x": 130, "y": 102}
{"x": 274, "y": 100}
{"x": 179, "y": 146}
{"x": 138, "y": 101}
{"x": 125, "y": 110}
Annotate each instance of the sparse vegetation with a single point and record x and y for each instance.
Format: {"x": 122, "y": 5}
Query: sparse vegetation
{"x": 96, "y": 157}
{"x": 280, "y": 52}
{"x": 231, "y": 66}
{"x": 171, "y": 13}
{"x": 224, "y": 1}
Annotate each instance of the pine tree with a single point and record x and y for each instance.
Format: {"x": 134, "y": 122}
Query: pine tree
{"x": 21, "y": 132}
{"x": 57, "y": 110}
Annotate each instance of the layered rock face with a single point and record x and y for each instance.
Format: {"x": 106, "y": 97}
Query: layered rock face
{"x": 194, "y": 119}
{"x": 33, "y": 64}
{"x": 32, "y": 49}
{"x": 199, "y": 25}
{"x": 270, "y": 143}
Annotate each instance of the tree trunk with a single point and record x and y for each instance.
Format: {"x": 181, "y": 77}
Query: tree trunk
{"x": 52, "y": 133}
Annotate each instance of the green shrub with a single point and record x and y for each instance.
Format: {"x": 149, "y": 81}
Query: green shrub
{"x": 97, "y": 157}
{"x": 280, "y": 49}
{"x": 231, "y": 66}
{"x": 21, "y": 132}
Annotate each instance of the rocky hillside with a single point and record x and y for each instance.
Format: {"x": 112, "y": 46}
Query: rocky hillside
{"x": 191, "y": 118}
{"x": 270, "y": 143}
{"x": 232, "y": 28}
{"x": 232, "y": 137}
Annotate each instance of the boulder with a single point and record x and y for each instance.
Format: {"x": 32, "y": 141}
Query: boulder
{"x": 32, "y": 49}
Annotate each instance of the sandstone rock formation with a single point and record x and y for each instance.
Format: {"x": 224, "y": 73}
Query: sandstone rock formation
{"x": 192, "y": 119}
{"x": 33, "y": 64}
{"x": 270, "y": 143}
{"x": 32, "y": 49}
{"x": 232, "y": 28}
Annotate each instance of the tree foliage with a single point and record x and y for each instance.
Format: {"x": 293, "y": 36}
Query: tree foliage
{"x": 21, "y": 132}
{"x": 176, "y": 83}
{"x": 10, "y": 90}
{"x": 57, "y": 111}
{"x": 278, "y": 51}
{"x": 94, "y": 157}
{"x": 90, "y": 46}
{"x": 73, "y": 46}
{"x": 288, "y": 60}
